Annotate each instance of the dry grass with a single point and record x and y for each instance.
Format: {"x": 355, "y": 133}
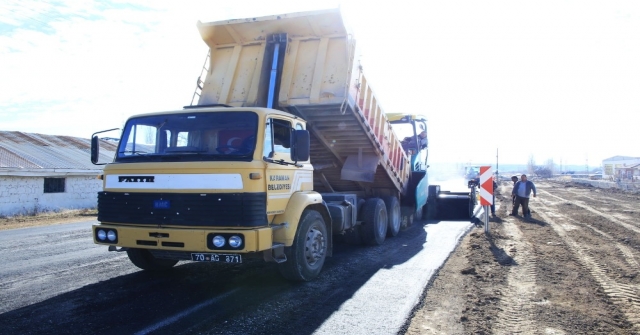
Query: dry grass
{"x": 47, "y": 218}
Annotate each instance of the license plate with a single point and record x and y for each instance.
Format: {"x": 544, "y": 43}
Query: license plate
{"x": 161, "y": 204}
{"x": 223, "y": 258}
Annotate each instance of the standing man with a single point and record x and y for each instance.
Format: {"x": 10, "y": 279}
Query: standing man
{"x": 493, "y": 204}
{"x": 409, "y": 143}
{"x": 514, "y": 179}
{"x": 521, "y": 190}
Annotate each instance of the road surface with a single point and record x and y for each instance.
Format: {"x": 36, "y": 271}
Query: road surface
{"x": 55, "y": 280}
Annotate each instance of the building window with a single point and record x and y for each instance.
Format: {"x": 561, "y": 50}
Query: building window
{"x": 53, "y": 185}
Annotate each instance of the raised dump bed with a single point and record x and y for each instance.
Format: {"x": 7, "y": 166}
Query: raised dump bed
{"x": 304, "y": 63}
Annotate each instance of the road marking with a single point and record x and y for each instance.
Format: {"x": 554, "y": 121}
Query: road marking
{"x": 182, "y": 314}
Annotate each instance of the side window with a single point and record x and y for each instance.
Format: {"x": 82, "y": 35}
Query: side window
{"x": 281, "y": 136}
{"x": 268, "y": 141}
{"x": 182, "y": 139}
{"x": 277, "y": 144}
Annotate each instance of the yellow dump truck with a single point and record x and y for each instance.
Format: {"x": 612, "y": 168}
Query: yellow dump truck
{"x": 284, "y": 150}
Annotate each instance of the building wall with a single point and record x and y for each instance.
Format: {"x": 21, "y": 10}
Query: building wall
{"x": 610, "y": 166}
{"x": 21, "y": 195}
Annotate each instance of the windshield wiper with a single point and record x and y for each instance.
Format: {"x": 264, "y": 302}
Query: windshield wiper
{"x": 281, "y": 162}
{"x": 135, "y": 152}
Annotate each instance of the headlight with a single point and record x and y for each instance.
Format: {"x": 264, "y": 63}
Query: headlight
{"x": 102, "y": 235}
{"x": 111, "y": 235}
{"x": 235, "y": 241}
{"x": 218, "y": 241}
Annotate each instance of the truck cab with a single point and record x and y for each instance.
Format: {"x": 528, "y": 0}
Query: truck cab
{"x": 207, "y": 183}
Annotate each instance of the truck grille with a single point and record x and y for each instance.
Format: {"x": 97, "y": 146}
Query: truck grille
{"x": 206, "y": 209}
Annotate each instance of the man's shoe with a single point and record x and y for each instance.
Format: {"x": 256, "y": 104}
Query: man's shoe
{"x": 511, "y": 214}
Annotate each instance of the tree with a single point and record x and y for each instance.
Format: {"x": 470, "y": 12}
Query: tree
{"x": 551, "y": 166}
{"x": 543, "y": 171}
{"x": 531, "y": 165}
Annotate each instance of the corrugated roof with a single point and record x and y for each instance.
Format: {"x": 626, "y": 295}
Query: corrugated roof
{"x": 620, "y": 158}
{"x": 31, "y": 151}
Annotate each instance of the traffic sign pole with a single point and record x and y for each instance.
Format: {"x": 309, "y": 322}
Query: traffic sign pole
{"x": 486, "y": 193}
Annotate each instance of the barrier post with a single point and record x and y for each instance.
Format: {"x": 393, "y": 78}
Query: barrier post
{"x": 486, "y": 193}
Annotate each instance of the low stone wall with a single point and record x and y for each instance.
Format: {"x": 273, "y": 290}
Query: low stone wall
{"x": 25, "y": 195}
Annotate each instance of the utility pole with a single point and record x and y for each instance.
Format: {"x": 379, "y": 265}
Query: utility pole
{"x": 586, "y": 164}
{"x": 497, "y": 170}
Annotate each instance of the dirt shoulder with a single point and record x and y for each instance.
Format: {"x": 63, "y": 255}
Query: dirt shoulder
{"x": 572, "y": 269}
{"x": 42, "y": 219}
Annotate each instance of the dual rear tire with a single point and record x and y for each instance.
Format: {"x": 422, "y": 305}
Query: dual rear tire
{"x": 394, "y": 214}
{"x": 375, "y": 220}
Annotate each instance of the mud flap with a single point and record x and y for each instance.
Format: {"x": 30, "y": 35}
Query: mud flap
{"x": 361, "y": 167}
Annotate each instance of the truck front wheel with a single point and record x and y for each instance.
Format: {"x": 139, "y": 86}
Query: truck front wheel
{"x": 308, "y": 252}
{"x": 146, "y": 261}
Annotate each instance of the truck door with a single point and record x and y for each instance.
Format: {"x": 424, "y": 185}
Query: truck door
{"x": 282, "y": 179}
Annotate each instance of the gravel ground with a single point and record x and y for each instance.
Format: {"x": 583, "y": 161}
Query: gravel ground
{"x": 571, "y": 269}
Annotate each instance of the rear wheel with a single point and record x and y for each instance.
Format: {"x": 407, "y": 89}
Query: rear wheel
{"x": 146, "y": 261}
{"x": 407, "y": 217}
{"x": 432, "y": 202}
{"x": 472, "y": 201}
{"x": 432, "y": 209}
{"x": 394, "y": 216}
{"x": 418, "y": 215}
{"x": 374, "y": 228}
{"x": 306, "y": 256}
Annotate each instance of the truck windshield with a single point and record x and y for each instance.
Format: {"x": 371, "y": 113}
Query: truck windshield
{"x": 189, "y": 136}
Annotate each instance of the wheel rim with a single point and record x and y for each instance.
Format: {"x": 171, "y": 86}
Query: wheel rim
{"x": 315, "y": 246}
{"x": 382, "y": 223}
{"x": 395, "y": 221}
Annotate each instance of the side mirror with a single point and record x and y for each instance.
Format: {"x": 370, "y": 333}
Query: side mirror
{"x": 95, "y": 146}
{"x": 95, "y": 149}
{"x": 300, "y": 146}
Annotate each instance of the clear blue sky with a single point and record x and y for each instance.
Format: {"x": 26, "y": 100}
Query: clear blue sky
{"x": 554, "y": 80}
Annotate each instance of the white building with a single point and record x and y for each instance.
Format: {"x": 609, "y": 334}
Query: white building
{"x": 622, "y": 167}
{"x": 40, "y": 173}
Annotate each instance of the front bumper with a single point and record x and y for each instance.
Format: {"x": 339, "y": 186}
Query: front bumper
{"x": 188, "y": 240}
